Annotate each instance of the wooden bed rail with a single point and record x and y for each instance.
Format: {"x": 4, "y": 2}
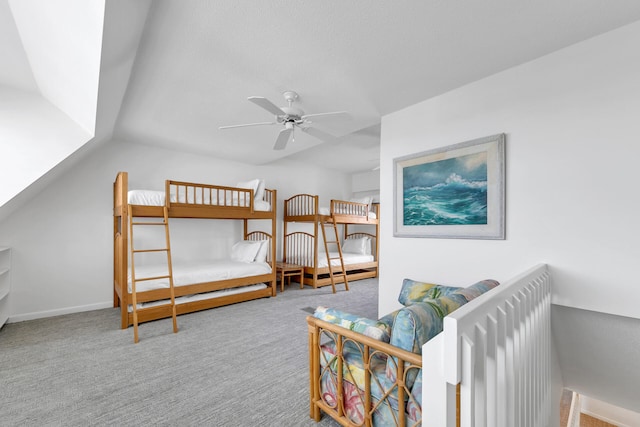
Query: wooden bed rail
{"x": 188, "y": 193}
{"x": 343, "y": 207}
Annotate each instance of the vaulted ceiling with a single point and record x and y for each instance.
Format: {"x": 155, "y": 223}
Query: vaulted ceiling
{"x": 197, "y": 61}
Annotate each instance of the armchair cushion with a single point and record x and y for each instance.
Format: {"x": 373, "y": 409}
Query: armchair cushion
{"x": 413, "y": 291}
{"x": 477, "y": 289}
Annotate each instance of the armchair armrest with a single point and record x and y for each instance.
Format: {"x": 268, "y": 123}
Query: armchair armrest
{"x": 368, "y": 327}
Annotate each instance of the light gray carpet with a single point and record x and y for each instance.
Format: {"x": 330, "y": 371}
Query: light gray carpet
{"x": 240, "y": 365}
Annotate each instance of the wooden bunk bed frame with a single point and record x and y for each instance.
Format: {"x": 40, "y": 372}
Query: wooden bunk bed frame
{"x": 196, "y": 205}
{"x": 302, "y": 248}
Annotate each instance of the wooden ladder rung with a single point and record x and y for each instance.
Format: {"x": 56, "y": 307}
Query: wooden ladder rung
{"x": 150, "y": 250}
{"x": 147, "y": 223}
{"x": 167, "y": 305}
{"x": 151, "y": 278}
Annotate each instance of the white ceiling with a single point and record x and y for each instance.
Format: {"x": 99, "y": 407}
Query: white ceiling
{"x": 199, "y": 60}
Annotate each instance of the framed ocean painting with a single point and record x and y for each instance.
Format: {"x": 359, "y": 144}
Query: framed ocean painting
{"x": 452, "y": 192}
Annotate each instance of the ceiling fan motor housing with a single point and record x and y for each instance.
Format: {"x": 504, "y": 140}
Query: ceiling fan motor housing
{"x": 291, "y": 114}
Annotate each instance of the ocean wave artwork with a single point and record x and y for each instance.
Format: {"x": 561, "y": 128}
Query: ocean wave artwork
{"x": 446, "y": 192}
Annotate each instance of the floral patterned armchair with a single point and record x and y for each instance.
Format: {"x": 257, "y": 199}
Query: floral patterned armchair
{"x": 366, "y": 372}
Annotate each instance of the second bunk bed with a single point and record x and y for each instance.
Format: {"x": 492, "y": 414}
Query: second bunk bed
{"x": 248, "y": 274}
{"x": 360, "y": 223}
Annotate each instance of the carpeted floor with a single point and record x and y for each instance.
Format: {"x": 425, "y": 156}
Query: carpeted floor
{"x": 240, "y": 365}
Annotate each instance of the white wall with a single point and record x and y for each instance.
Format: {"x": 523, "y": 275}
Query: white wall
{"x": 598, "y": 354}
{"x": 62, "y": 239}
{"x": 572, "y": 128}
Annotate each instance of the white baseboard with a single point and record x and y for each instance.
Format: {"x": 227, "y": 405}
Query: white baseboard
{"x": 611, "y": 414}
{"x": 59, "y": 312}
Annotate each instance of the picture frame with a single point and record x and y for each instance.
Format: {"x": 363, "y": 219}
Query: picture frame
{"x": 453, "y": 192}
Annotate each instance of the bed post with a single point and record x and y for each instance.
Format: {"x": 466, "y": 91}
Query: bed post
{"x": 377, "y": 258}
{"x": 116, "y": 299}
{"x": 274, "y": 237}
{"x": 120, "y": 247}
{"x": 315, "y": 253}
{"x": 284, "y": 232}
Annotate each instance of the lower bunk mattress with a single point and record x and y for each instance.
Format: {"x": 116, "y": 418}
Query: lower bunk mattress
{"x": 347, "y": 258}
{"x": 188, "y": 273}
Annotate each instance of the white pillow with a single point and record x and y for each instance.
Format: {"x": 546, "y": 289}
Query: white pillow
{"x": 260, "y": 190}
{"x": 245, "y": 250}
{"x": 261, "y": 256}
{"x": 250, "y": 185}
{"x": 357, "y": 246}
{"x": 364, "y": 200}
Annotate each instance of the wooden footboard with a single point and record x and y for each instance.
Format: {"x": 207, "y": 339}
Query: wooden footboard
{"x": 194, "y": 200}
{"x": 346, "y": 408}
{"x": 300, "y": 248}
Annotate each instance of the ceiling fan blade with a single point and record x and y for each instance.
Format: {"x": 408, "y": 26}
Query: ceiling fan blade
{"x": 283, "y": 138}
{"x": 248, "y": 124}
{"x": 322, "y": 135}
{"x": 267, "y": 105}
{"x": 337, "y": 114}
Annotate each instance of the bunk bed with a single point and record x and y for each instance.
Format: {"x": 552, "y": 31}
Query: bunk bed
{"x": 360, "y": 246}
{"x": 196, "y": 286}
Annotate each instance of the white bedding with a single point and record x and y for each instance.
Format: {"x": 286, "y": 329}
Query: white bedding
{"x": 327, "y": 211}
{"x": 348, "y": 258}
{"x": 157, "y": 198}
{"x": 186, "y": 273}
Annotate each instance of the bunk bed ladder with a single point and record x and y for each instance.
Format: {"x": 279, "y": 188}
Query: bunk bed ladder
{"x": 134, "y": 279}
{"x": 332, "y": 274}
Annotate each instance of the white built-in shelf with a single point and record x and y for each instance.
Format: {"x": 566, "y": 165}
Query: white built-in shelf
{"x": 5, "y": 283}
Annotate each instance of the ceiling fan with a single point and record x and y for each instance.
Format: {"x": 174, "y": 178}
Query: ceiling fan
{"x": 291, "y": 118}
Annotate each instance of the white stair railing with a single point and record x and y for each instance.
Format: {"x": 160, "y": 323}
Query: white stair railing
{"x": 497, "y": 348}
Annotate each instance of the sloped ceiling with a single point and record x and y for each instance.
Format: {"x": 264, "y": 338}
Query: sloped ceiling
{"x": 48, "y": 87}
{"x": 198, "y": 61}
{"x": 15, "y": 70}
{"x": 64, "y": 68}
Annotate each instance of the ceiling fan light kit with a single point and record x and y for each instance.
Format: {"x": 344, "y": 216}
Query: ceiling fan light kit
{"x": 289, "y": 116}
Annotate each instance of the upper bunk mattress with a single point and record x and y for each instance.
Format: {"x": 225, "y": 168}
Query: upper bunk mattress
{"x": 157, "y": 198}
{"x": 189, "y": 273}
